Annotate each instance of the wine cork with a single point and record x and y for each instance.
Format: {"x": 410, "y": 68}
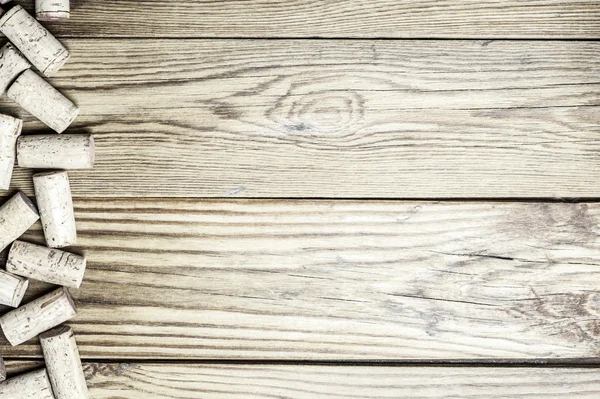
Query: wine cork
{"x": 16, "y": 216}
{"x": 53, "y": 195}
{"x": 38, "y": 45}
{"x": 64, "y": 364}
{"x": 37, "y": 316}
{"x": 10, "y": 130}
{"x": 46, "y": 264}
{"x": 51, "y": 151}
{"x": 33, "y": 385}
{"x": 52, "y": 10}
{"x": 12, "y": 63}
{"x": 12, "y": 289}
{"x": 43, "y": 101}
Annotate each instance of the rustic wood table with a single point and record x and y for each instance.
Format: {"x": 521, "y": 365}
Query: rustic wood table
{"x": 334, "y": 199}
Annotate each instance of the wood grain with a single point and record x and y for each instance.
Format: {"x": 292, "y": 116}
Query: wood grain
{"x": 332, "y": 18}
{"x": 182, "y": 381}
{"x": 335, "y": 280}
{"x": 358, "y": 119}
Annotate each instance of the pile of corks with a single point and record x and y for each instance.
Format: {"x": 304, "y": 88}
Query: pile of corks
{"x": 31, "y": 45}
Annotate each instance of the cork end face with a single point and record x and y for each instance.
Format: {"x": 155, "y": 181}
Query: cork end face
{"x": 19, "y": 293}
{"x": 2, "y": 370}
{"x": 79, "y": 281}
{"x": 64, "y": 125}
{"x": 74, "y": 114}
{"x": 70, "y": 299}
{"x": 27, "y": 202}
{"x": 9, "y": 14}
{"x": 56, "y": 332}
{"x": 12, "y": 340}
{"x": 18, "y": 127}
{"x": 58, "y": 63}
{"x": 14, "y": 247}
{"x": 6, "y": 176}
{"x": 92, "y": 151}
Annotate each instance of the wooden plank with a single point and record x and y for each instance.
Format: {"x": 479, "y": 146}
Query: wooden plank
{"x": 364, "y": 119}
{"x": 160, "y": 381}
{"x": 334, "y": 280}
{"x": 332, "y": 18}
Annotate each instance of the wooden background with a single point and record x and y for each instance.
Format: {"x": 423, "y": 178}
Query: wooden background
{"x": 334, "y": 199}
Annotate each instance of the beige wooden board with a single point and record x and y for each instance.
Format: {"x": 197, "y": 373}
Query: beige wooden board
{"x": 332, "y": 18}
{"x": 183, "y": 381}
{"x": 392, "y": 119}
{"x": 333, "y": 280}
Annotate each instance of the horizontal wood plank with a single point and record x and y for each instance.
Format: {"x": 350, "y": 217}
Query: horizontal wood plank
{"x": 183, "y": 381}
{"x": 335, "y": 280}
{"x": 332, "y": 18}
{"x": 363, "y": 119}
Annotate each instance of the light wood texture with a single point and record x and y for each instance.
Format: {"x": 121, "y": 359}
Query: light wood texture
{"x": 12, "y": 289}
{"x": 53, "y": 195}
{"x": 52, "y": 151}
{"x": 16, "y": 216}
{"x": 52, "y": 10}
{"x": 12, "y": 64}
{"x": 331, "y": 18}
{"x": 33, "y": 385}
{"x": 63, "y": 364}
{"x": 189, "y": 381}
{"x": 37, "y": 316}
{"x": 46, "y": 264}
{"x": 241, "y": 279}
{"x": 36, "y": 43}
{"x": 43, "y": 101}
{"x": 408, "y": 119}
{"x": 10, "y": 129}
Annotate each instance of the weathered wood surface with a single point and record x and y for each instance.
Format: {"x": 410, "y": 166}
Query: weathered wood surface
{"x": 410, "y": 119}
{"x": 242, "y": 279}
{"x": 332, "y": 18}
{"x": 192, "y": 381}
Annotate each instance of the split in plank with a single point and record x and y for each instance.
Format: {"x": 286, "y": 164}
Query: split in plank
{"x": 191, "y": 381}
{"x": 413, "y": 119}
{"x": 332, "y": 18}
{"x": 334, "y": 280}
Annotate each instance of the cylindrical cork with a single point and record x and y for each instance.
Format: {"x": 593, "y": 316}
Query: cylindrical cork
{"x": 10, "y": 130}
{"x": 46, "y": 264}
{"x": 12, "y": 63}
{"x": 43, "y": 101}
{"x": 52, "y": 10}
{"x": 2, "y": 370}
{"x": 51, "y": 151}
{"x": 16, "y": 216}
{"x": 33, "y": 385}
{"x": 64, "y": 364}
{"x": 38, "y": 45}
{"x": 37, "y": 316}
{"x": 53, "y": 194}
{"x": 12, "y": 289}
